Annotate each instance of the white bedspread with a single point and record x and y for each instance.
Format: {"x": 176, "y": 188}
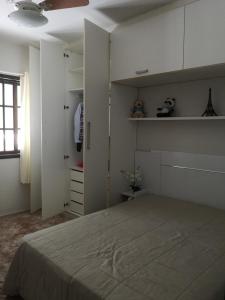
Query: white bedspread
{"x": 149, "y": 248}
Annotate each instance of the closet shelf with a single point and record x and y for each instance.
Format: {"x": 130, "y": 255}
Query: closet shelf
{"x": 79, "y": 70}
{"x": 76, "y": 90}
{"x": 76, "y": 168}
{"x": 179, "y": 119}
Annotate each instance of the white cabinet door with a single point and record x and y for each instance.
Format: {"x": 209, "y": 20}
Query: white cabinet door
{"x": 35, "y": 129}
{"x": 204, "y": 33}
{"x": 53, "y": 94}
{"x": 96, "y": 99}
{"x": 149, "y": 46}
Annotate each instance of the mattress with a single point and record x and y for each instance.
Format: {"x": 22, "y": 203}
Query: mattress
{"x": 149, "y": 248}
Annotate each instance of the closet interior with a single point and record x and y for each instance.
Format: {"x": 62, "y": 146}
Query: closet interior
{"x": 74, "y": 116}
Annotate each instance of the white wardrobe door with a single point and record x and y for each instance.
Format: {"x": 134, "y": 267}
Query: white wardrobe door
{"x": 35, "y": 129}
{"x": 150, "y": 45}
{"x": 96, "y": 98}
{"x": 204, "y": 33}
{"x": 53, "y": 94}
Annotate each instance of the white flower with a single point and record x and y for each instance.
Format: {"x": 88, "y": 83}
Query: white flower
{"x": 134, "y": 178}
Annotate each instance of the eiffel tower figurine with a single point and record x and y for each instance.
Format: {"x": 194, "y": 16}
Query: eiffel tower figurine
{"x": 209, "y": 112}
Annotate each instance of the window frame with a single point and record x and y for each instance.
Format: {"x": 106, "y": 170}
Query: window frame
{"x": 15, "y": 82}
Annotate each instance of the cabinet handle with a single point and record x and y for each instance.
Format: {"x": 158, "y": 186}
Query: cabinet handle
{"x": 88, "y": 135}
{"x": 139, "y": 72}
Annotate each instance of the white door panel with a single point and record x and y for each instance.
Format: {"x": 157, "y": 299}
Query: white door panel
{"x": 204, "y": 33}
{"x": 149, "y": 46}
{"x": 53, "y": 94}
{"x": 96, "y": 96}
{"x": 35, "y": 129}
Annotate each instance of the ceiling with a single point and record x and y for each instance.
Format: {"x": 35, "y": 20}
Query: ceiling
{"x": 67, "y": 24}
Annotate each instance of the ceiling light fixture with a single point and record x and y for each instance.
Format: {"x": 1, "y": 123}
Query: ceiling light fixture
{"x": 28, "y": 14}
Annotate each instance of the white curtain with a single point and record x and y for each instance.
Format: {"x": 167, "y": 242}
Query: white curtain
{"x": 25, "y": 130}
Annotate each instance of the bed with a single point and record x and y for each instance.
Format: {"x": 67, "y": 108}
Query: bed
{"x": 152, "y": 247}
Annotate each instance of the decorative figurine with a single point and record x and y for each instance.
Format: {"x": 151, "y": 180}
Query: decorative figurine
{"x": 167, "y": 108}
{"x": 138, "y": 110}
{"x": 209, "y": 112}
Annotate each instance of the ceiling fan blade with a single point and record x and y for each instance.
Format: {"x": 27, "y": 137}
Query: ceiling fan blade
{"x": 61, "y": 4}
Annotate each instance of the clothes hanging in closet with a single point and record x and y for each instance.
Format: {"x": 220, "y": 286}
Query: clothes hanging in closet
{"x": 78, "y": 127}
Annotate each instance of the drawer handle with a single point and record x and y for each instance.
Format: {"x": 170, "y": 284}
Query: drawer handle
{"x": 142, "y": 72}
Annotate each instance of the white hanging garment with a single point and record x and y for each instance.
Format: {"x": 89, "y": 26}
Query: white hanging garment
{"x": 78, "y": 124}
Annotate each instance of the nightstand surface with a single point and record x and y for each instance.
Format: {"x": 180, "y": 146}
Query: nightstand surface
{"x": 132, "y": 195}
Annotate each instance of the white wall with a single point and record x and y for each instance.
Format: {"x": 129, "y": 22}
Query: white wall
{"x": 14, "y": 197}
{"x": 204, "y": 137}
{"x": 13, "y": 57}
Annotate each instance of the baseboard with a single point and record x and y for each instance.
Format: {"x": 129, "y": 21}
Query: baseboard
{"x": 13, "y": 212}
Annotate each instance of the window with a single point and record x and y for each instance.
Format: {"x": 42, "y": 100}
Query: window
{"x": 10, "y": 103}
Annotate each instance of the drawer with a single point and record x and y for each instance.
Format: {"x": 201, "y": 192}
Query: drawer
{"x": 77, "y": 197}
{"x": 77, "y": 186}
{"x": 77, "y": 207}
{"x": 76, "y": 175}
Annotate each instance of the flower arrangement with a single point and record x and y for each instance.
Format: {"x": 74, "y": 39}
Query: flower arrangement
{"x": 135, "y": 179}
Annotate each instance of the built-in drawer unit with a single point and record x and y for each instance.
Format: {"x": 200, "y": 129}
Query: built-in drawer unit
{"x": 77, "y": 197}
{"x": 77, "y": 176}
{"x": 77, "y": 207}
{"x": 77, "y": 191}
{"x": 77, "y": 186}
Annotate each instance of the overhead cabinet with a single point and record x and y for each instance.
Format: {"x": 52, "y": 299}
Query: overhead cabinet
{"x": 189, "y": 37}
{"x": 204, "y": 33}
{"x": 148, "y": 46}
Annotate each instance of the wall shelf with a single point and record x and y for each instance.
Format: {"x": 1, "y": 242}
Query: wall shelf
{"x": 79, "y": 70}
{"x": 179, "y": 119}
